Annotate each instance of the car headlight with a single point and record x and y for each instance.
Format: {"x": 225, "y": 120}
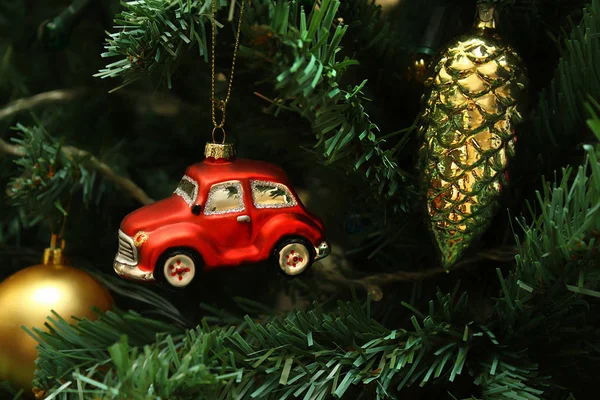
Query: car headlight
{"x": 139, "y": 238}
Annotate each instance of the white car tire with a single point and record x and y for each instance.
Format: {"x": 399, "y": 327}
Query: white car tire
{"x": 179, "y": 270}
{"x": 293, "y": 257}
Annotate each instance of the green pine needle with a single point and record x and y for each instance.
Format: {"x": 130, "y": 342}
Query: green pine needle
{"x": 560, "y": 115}
{"x": 49, "y": 177}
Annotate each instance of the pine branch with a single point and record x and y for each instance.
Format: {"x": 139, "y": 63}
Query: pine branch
{"x": 501, "y": 380}
{"x": 153, "y": 35}
{"x": 314, "y": 354}
{"x": 65, "y": 348}
{"x": 557, "y": 262}
{"x": 560, "y": 115}
{"x": 374, "y": 284}
{"x": 561, "y": 243}
{"x": 51, "y": 173}
{"x": 124, "y": 184}
{"x": 298, "y": 53}
{"x": 548, "y": 303}
{"x": 38, "y": 100}
{"x": 568, "y": 224}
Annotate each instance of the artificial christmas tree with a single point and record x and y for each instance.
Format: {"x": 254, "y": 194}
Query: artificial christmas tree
{"x": 110, "y": 123}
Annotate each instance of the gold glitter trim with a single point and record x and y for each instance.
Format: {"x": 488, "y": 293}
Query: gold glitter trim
{"x": 219, "y": 151}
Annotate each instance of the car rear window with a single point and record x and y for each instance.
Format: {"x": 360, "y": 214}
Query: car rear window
{"x": 271, "y": 195}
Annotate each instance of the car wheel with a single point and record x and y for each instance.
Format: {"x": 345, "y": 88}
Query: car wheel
{"x": 178, "y": 268}
{"x": 294, "y": 256}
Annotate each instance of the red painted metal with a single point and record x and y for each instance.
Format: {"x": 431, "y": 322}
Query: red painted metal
{"x": 221, "y": 240}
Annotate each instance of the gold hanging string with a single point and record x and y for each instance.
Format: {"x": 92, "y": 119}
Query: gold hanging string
{"x": 63, "y": 226}
{"x": 222, "y": 104}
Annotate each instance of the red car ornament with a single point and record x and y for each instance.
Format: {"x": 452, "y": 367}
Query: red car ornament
{"x": 224, "y": 212}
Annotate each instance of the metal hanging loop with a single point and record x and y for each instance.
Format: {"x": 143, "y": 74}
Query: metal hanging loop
{"x": 222, "y": 131}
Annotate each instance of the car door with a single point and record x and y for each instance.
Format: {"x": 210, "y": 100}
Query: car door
{"x": 268, "y": 200}
{"x": 226, "y": 220}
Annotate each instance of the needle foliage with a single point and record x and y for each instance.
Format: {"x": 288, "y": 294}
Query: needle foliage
{"x": 315, "y": 354}
{"x": 531, "y": 330}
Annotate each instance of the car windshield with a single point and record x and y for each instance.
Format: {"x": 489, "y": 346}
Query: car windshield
{"x": 187, "y": 189}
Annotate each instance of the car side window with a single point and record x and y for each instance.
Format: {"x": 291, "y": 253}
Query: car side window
{"x": 225, "y": 197}
{"x": 271, "y": 195}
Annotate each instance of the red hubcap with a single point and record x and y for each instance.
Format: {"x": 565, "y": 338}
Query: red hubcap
{"x": 176, "y": 270}
{"x": 292, "y": 260}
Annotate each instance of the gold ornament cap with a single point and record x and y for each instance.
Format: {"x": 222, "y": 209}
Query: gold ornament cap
{"x": 54, "y": 255}
{"x": 486, "y": 16}
{"x": 219, "y": 151}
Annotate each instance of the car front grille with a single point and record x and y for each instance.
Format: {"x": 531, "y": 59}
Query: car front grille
{"x": 127, "y": 253}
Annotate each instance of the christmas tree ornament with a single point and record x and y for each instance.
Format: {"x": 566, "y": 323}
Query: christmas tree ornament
{"x": 224, "y": 212}
{"x": 27, "y": 299}
{"x": 476, "y": 96}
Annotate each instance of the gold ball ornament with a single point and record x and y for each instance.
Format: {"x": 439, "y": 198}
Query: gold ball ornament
{"x": 27, "y": 298}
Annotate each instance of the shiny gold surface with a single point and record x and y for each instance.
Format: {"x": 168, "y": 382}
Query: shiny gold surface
{"x": 474, "y": 103}
{"x": 27, "y": 297}
{"x": 219, "y": 150}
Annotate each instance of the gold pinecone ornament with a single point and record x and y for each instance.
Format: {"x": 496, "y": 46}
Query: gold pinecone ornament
{"x": 476, "y": 93}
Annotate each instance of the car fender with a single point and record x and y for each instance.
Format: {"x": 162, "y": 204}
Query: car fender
{"x": 183, "y": 234}
{"x": 288, "y": 225}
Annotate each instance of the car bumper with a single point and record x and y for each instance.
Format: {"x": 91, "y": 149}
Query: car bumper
{"x": 322, "y": 250}
{"x": 132, "y": 272}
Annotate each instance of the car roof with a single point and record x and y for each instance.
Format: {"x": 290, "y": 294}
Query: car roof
{"x": 209, "y": 171}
